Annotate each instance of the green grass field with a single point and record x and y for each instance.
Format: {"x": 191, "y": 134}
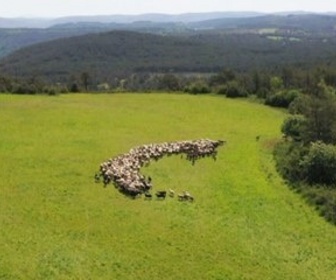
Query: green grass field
{"x": 56, "y": 223}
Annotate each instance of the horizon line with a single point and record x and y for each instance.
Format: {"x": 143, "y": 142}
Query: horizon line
{"x": 166, "y": 14}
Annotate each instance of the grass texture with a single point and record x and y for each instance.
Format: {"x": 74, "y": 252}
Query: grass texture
{"x": 56, "y": 223}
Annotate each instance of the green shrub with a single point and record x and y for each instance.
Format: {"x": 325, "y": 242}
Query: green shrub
{"x": 221, "y": 90}
{"x": 263, "y": 92}
{"x": 323, "y": 199}
{"x": 233, "y": 90}
{"x": 288, "y": 156}
{"x": 74, "y": 88}
{"x": 169, "y": 82}
{"x": 320, "y": 164}
{"x": 294, "y": 126}
{"x": 198, "y": 88}
{"x": 24, "y": 88}
{"x": 282, "y": 98}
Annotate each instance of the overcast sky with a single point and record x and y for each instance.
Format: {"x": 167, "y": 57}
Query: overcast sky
{"x": 57, "y": 8}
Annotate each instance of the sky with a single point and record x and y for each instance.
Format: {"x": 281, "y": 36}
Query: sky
{"x": 59, "y": 8}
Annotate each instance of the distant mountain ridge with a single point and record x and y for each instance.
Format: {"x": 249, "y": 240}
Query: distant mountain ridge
{"x": 41, "y": 22}
{"x": 303, "y": 21}
{"x": 12, "y": 39}
{"x": 153, "y": 17}
{"x": 121, "y": 53}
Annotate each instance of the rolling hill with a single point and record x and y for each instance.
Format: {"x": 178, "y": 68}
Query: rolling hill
{"x": 121, "y": 19}
{"x": 14, "y": 36}
{"x": 305, "y": 23}
{"x": 120, "y": 53}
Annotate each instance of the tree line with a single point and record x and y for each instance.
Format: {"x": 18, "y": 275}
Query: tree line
{"x": 306, "y": 157}
{"x": 278, "y": 87}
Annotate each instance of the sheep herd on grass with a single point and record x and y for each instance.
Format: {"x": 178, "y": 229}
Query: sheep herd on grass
{"x": 124, "y": 170}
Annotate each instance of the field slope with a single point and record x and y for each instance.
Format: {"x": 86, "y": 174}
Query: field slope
{"x": 56, "y": 223}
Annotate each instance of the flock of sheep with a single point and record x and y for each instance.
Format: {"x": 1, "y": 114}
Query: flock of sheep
{"x": 124, "y": 170}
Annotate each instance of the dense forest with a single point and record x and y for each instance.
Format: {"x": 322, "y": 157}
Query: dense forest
{"x": 107, "y": 58}
{"x": 287, "y": 62}
{"x": 22, "y": 32}
{"x": 250, "y": 53}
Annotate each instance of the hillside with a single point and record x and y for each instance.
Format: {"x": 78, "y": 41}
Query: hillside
{"x": 56, "y": 223}
{"x": 14, "y": 39}
{"x": 121, "y": 19}
{"x": 120, "y": 53}
{"x": 16, "y": 33}
{"x": 293, "y": 23}
{"x": 15, "y": 36}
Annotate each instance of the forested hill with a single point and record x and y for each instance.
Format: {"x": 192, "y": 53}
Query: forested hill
{"x": 302, "y": 25}
{"x": 121, "y": 19}
{"x": 14, "y": 39}
{"x": 119, "y": 53}
{"x": 112, "y": 53}
{"x": 305, "y": 23}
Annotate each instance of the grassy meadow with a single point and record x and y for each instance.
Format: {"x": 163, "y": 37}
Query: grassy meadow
{"x": 56, "y": 223}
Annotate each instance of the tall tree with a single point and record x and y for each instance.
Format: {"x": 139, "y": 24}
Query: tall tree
{"x": 85, "y": 78}
{"x": 320, "y": 112}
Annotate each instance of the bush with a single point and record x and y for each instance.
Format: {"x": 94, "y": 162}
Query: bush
{"x": 324, "y": 200}
{"x": 3, "y": 89}
{"x": 74, "y": 88}
{"x": 297, "y": 163}
{"x": 221, "y": 90}
{"x": 52, "y": 92}
{"x": 169, "y": 82}
{"x": 263, "y": 92}
{"x": 24, "y": 88}
{"x": 288, "y": 156}
{"x": 282, "y": 98}
{"x": 294, "y": 126}
{"x": 233, "y": 90}
{"x": 320, "y": 164}
{"x": 198, "y": 88}
{"x": 299, "y": 105}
